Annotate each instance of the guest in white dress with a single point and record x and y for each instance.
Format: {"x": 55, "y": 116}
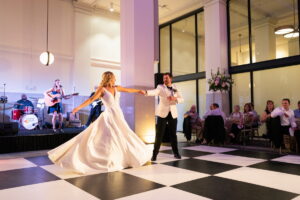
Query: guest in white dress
{"x": 108, "y": 144}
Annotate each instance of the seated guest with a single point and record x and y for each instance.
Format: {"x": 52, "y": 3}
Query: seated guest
{"x": 23, "y": 102}
{"x": 287, "y": 121}
{"x": 297, "y": 116}
{"x": 248, "y": 115}
{"x": 255, "y": 116}
{"x": 266, "y": 116}
{"x": 297, "y": 111}
{"x": 193, "y": 123}
{"x": 237, "y": 122}
{"x": 215, "y": 111}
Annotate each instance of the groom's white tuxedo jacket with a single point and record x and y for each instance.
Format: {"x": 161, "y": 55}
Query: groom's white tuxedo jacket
{"x": 165, "y": 106}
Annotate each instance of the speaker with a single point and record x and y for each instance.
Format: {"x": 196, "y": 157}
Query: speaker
{"x": 158, "y": 79}
{"x": 9, "y": 128}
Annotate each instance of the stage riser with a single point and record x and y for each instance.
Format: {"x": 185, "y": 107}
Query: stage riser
{"x": 11, "y": 144}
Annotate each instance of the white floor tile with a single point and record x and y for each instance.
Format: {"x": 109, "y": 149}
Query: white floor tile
{"x": 164, "y": 174}
{"x": 277, "y": 180}
{"x": 165, "y": 157}
{"x": 289, "y": 159}
{"x": 164, "y": 193}
{"x": 230, "y": 159}
{"x": 17, "y": 163}
{"x": 162, "y": 148}
{"x": 62, "y": 173}
{"x": 210, "y": 149}
{"x": 58, "y": 190}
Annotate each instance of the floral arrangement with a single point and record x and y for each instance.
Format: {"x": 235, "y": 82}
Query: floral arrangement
{"x": 220, "y": 82}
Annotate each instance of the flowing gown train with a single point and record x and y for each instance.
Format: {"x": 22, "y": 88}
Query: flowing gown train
{"x": 108, "y": 144}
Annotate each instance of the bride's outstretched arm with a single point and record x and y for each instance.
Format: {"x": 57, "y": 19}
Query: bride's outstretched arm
{"x": 129, "y": 90}
{"x": 97, "y": 95}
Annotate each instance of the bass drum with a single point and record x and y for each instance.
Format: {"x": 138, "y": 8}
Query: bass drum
{"x": 29, "y": 121}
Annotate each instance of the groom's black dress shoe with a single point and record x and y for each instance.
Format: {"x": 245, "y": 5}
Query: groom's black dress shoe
{"x": 153, "y": 158}
{"x": 177, "y": 155}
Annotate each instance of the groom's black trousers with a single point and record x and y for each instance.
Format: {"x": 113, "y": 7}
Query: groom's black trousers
{"x": 160, "y": 130}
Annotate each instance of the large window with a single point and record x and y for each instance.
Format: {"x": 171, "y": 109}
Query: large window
{"x": 188, "y": 91}
{"x": 260, "y": 57}
{"x": 182, "y": 45}
{"x": 239, "y": 32}
{"x": 165, "y": 49}
{"x": 254, "y": 30}
{"x": 241, "y": 92}
{"x": 201, "y": 42}
{"x": 276, "y": 84}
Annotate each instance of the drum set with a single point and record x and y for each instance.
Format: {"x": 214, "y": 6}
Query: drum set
{"x": 28, "y": 117}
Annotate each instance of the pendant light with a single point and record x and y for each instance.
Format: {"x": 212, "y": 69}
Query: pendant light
{"x": 47, "y": 58}
{"x": 295, "y": 32}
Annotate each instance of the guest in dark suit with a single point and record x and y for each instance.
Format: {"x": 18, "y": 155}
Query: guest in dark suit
{"x": 95, "y": 111}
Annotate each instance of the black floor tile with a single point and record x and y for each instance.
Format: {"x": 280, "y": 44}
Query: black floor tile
{"x": 113, "y": 185}
{"x": 188, "y": 153}
{"x": 222, "y": 189}
{"x": 202, "y": 166}
{"x": 25, "y": 176}
{"x": 253, "y": 154}
{"x": 40, "y": 160}
{"x": 278, "y": 167}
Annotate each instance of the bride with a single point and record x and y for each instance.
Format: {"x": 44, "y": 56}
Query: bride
{"x": 108, "y": 144}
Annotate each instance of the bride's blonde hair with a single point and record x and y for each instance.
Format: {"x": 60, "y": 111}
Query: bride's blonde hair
{"x": 106, "y": 79}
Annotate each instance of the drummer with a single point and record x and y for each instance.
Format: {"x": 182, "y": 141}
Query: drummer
{"x": 23, "y": 102}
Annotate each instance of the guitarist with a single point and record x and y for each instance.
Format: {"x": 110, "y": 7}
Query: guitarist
{"x": 57, "y": 108}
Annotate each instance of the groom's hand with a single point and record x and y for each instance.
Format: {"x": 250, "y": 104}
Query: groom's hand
{"x": 171, "y": 98}
{"x": 143, "y": 92}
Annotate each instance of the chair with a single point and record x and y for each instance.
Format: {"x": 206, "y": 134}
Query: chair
{"x": 214, "y": 129}
{"x": 275, "y": 133}
{"x": 187, "y": 128}
{"x": 246, "y": 132}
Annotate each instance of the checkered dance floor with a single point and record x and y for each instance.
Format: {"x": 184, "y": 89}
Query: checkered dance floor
{"x": 204, "y": 172}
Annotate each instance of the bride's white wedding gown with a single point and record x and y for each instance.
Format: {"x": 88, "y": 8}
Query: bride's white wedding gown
{"x": 108, "y": 144}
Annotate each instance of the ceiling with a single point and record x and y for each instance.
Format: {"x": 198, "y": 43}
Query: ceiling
{"x": 168, "y": 9}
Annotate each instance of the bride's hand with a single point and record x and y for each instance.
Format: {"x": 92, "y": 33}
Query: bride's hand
{"x": 75, "y": 110}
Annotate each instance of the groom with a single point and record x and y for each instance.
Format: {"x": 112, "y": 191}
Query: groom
{"x": 166, "y": 112}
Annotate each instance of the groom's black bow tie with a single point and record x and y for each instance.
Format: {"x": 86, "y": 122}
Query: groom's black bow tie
{"x": 170, "y": 88}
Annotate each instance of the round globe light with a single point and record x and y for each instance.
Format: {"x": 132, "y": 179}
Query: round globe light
{"x": 47, "y": 58}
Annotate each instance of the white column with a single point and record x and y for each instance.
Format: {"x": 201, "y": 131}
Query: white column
{"x": 265, "y": 41}
{"x": 215, "y": 20}
{"x": 139, "y": 50}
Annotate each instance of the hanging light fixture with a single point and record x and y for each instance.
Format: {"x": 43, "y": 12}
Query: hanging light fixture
{"x": 295, "y": 32}
{"x": 47, "y": 58}
{"x": 281, "y": 30}
{"x": 111, "y": 9}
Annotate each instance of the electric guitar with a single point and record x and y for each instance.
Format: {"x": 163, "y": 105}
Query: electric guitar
{"x": 56, "y": 98}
